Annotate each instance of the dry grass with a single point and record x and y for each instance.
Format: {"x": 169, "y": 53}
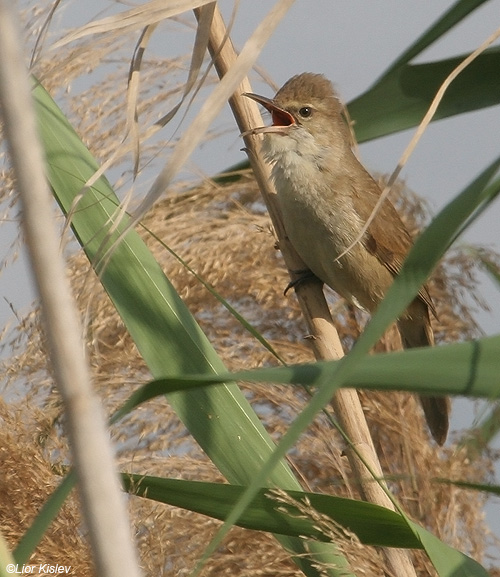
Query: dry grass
{"x": 224, "y": 234}
{"x": 28, "y": 478}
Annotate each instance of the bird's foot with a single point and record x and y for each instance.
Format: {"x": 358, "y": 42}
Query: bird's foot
{"x": 302, "y": 277}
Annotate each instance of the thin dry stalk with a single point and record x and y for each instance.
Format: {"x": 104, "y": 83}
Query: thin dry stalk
{"x": 93, "y": 456}
{"x": 325, "y": 341}
{"x": 146, "y": 14}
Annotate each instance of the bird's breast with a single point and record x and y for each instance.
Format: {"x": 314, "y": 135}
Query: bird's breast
{"x": 322, "y": 223}
{"x": 315, "y": 203}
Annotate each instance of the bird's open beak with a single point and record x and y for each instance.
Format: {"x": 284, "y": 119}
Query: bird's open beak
{"x": 281, "y": 118}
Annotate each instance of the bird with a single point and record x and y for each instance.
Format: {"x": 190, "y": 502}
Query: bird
{"x": 326, "y": 197}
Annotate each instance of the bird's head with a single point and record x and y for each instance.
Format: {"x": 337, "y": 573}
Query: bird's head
{"x": 305, "y": 110}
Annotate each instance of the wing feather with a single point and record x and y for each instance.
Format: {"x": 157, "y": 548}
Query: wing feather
{"x": 387, "y": 237}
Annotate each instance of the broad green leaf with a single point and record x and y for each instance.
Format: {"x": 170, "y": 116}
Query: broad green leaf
{"x": 166, "y": 334}
{"x": 447, "y": 561}
{"x": 373, "y": 525}
{"x": 470, "y": 369}
{"x": 401, "y": 99}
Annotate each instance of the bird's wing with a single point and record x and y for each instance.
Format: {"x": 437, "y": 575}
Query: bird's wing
{"x": 387, "y": 237}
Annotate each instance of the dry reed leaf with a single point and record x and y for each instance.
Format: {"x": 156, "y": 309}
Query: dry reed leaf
{"x": 144, "y": 15}
{"x": 197, "y": 58}
{"x": 133, "y": 92}
{"x": 195, "y": 133}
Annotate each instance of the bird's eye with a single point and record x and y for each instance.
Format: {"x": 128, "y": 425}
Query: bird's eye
{"x": 305, "y": 111}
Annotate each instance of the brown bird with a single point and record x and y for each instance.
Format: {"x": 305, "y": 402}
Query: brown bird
{"x": 326, "y": 197}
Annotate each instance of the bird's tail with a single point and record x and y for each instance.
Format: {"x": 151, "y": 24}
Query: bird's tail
{"x": 436, "y": 411}
{"x": 419, "y": 334}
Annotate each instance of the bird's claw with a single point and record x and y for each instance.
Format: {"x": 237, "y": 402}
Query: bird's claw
{"x": 303, "y": 276}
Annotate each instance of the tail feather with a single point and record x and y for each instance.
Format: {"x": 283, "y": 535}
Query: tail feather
{"x": 416, "y": 331}
{"x": 436, "y": 411}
